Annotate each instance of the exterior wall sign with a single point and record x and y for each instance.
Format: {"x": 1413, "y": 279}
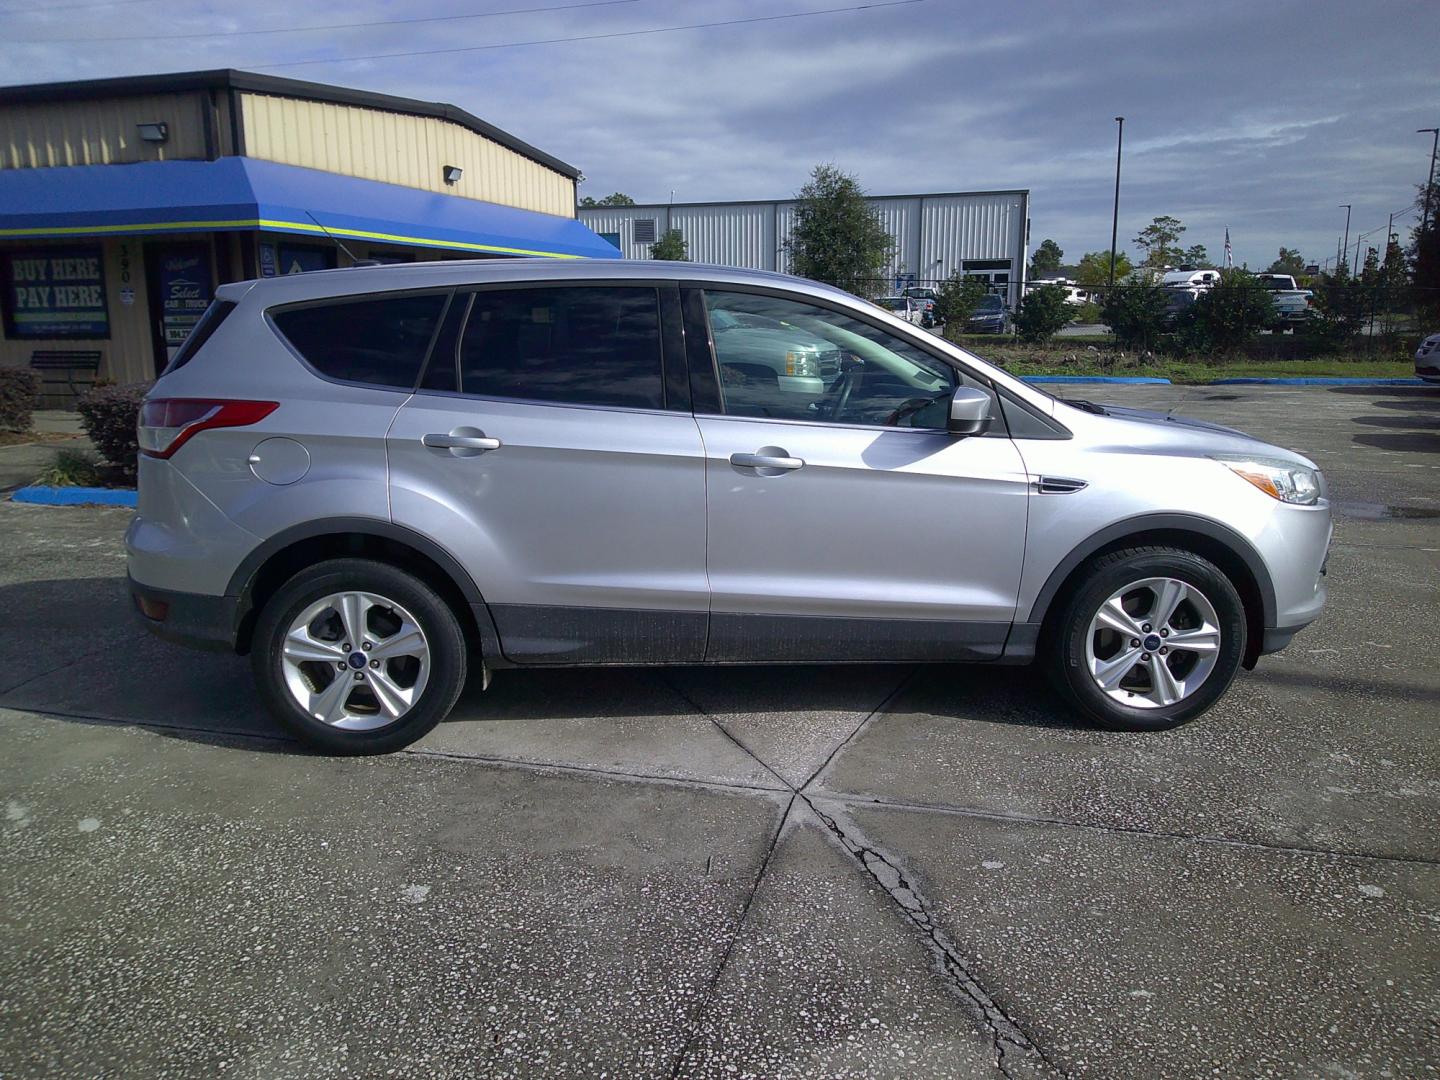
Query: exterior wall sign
{"x": 186, "y": 288}
{"x": 267, "y": 260}
{"x": 56, "y": 292}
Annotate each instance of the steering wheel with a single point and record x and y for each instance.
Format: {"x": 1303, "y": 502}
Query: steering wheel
{"x": 852, "y": 366}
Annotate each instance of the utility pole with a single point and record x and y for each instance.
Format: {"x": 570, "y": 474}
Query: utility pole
{"x": 1434, "y": 144}
{"x": 1345, "y": 244}
{"x": 1115, "y": 217}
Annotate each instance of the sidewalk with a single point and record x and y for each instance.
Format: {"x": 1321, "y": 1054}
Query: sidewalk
{"x": 19, "y": 465}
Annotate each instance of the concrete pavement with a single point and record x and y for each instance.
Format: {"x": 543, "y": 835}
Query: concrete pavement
{"x": 805, "y": 871}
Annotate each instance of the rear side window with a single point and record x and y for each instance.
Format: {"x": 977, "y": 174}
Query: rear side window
{"x": 597, "y": 345}
{"x": 200, "y": 333}
{"x": 379, "y": 340}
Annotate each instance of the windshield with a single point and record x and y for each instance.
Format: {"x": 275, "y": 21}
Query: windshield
{"x": 991, "y": 303}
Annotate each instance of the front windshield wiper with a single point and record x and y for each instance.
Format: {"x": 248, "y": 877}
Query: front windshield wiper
{"x": 1086, "y": 406}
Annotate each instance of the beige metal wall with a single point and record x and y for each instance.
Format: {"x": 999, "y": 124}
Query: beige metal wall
{"x": 397, "y": 149}
{"x": 101, "y": 132}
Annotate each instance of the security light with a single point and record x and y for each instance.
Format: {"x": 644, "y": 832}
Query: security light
{"x": 157, "y": 132}
{"x": 453, "y": 174}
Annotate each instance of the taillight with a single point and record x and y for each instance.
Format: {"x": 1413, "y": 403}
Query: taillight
{"x": 166, "y": 424}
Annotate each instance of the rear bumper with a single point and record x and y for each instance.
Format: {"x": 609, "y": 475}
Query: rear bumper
{"x": 201, "y": 622}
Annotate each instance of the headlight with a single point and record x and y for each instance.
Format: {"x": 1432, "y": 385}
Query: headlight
{"x": 802, "y": 363}
{"x": 1283, "y": 480}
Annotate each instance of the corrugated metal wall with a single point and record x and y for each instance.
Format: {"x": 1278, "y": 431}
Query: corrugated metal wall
{"x": 399, "y": 149}
{"x": 934, "y": 235}
{"x": 101, "y": 132}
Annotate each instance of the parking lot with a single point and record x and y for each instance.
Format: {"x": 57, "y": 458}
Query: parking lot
{"x": 799, "y": 871}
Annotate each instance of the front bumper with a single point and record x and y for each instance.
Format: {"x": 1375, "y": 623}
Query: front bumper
{"x": 201, "y": 622}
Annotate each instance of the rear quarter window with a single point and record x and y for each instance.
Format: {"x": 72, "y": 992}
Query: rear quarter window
{"x": 375, "y": 340}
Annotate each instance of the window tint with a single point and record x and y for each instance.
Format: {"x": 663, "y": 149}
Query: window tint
{"x": 587, "y": 346}
{"x": 200, "y": 333}
{"x": 793, "y": 361}
{"x": 374, "y": 339}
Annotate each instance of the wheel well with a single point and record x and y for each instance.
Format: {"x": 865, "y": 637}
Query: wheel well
{"x": 1231, "y": 564}
{"x": 288, "y": 561}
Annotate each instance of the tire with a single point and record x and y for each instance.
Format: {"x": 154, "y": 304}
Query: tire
{"x": 1086, "y": 645}
{"x": 391, "y": 701}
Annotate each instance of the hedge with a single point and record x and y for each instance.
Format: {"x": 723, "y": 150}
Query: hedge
{"x": 19, "y": 392}
{"x": 110, "y": 415}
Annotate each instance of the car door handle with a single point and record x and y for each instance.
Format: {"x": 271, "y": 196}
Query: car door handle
{"x": 460, "y": 442}
{"x": 765, "y": 460}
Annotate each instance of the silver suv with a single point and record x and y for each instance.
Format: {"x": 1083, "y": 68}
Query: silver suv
{"x": 373, "y": 480}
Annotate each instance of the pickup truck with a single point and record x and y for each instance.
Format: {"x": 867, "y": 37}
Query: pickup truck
{"x": 1292, "y": 303}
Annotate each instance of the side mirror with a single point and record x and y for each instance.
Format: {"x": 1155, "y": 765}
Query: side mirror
{"x": 969, "y": 411}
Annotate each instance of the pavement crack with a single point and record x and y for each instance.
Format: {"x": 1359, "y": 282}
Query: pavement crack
{"x": 709, "y": 993}
{"x": 728, "y": 734}
{"x": 1017, "y": 1055}
{"x": 870, "y": 716}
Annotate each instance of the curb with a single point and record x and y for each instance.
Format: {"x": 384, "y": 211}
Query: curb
{"x": 1146, "y": 379}
{"x": 74, "y": 496}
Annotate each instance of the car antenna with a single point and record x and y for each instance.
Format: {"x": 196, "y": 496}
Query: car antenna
{"x": 336, "y": 241}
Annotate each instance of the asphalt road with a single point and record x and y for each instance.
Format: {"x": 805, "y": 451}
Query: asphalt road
{"x": 767, "y": 872}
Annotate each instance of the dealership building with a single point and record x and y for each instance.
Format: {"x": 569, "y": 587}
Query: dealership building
{"x": 982, "y": 234}
{"x": 125, "y": 202}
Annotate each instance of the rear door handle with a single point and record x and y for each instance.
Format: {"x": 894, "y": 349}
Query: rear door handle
{"x": 461, "y": 442}
{"x": 768, "y": 458}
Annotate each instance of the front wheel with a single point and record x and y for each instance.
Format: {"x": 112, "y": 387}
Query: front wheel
{"x": 1151, "y": 638}
{"x": 358, "y": 657}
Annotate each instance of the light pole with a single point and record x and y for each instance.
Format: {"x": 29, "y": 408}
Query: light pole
{"x": 1345, "y": 244}
{"x": 1434, "y": 144}
{"x": 1115, "y": 216}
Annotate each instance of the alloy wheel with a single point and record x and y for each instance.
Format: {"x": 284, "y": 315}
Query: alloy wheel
{"x": 1153, "y": 643}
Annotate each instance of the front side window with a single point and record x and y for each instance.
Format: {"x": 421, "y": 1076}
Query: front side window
{"x": 789, "y": 360}
{"x": 589, "y": 345}
{"x": 378, "y": 340}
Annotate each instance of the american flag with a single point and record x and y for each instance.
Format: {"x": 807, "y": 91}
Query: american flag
{"x": 1229, "y": 255}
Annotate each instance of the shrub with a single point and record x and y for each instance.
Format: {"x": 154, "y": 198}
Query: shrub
{"x": 1086, "y": 314}
{"x": 19, "y": 391}
{"x": 1041, "y": 313}
{"x": 109, "y": 416}
{"x": 956, "y": 300}
{"x": 1227, "y": 317}
{"x": 1135, "y": 314}
{"x": 71, "y": 468}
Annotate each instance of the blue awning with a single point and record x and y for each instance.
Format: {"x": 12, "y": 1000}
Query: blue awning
{"x": 239, "y": 193}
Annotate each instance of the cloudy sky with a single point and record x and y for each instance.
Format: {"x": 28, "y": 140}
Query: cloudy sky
{"x": 1262, "y": 116}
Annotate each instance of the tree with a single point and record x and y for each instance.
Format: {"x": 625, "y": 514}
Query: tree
{"x": 618, "y": 198}
{"x": 1289, "y": 262}
{"x": 1047, "y": 258}
{"x": 956, "y": 300}
{"x": 1196, "y": 255}
{"x": 1159, "y": 241}
{"x": 1425, "y": 259}
{"x": 670, "y": 247}
{"x": 1041, "y": 313}
{"x": 837, "y": 237}
{"x": 1094, "y": 269}
{"x": 1135, "y": 313}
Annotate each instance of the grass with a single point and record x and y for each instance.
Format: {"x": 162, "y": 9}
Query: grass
{"x": 1198, "y": 371}
{"x": 71, "y": 468}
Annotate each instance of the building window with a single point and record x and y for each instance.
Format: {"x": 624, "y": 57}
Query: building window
{"x": 645, "y": 230}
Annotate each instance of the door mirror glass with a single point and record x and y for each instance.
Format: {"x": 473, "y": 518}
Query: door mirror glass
{"x": 969, "y": 411}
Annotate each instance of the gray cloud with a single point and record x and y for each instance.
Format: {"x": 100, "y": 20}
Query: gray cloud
{"x": 1262, "y": 117}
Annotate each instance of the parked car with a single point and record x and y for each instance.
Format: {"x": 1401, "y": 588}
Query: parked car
{"x": 1292, "y": 303}
{"x": 904, "y": 307}
{"x": 1427, "y": 359}
{"x": 929, "y": 301}
{"x": 990, "y": 317}
{"x": 1191, "y": 279}
{"x": 1177, "y": 303}
{"x": 377, "y": 481}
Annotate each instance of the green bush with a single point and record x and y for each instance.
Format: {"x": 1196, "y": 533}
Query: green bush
{"x": 71, "y": 468}
{"x": 1086, "y": 314}
{"x": 1227, "y": 317}
{"x": 1042, "y": 313}
{"x": 1135, "y": 314}
{"x": 19, "y": 391}
{"x": 109, "y": 415}
{"x": 956, "y": 300}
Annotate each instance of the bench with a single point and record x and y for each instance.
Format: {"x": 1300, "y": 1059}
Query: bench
{"x": 57, "y": 367}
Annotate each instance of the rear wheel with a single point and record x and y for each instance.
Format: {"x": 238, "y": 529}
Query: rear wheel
{"x": 1151, "y": 638}
{"x": 358, "y": 657}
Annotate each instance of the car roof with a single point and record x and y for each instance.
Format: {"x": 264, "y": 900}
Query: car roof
{"x": 394, "y": 277}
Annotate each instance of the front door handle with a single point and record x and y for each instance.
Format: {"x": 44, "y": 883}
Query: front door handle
{"x": 461, "y": 442}
{"x": 768, "y": 461}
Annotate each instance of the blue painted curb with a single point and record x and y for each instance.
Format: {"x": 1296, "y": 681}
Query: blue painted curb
{"x": 74, "y": 496}
{"x": 1319, "y": 381}
{"x": 1150, "y": 379}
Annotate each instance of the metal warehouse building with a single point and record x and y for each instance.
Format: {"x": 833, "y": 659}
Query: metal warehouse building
{"x": 125, "y": 202}
{"x": 983, "y": 234}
